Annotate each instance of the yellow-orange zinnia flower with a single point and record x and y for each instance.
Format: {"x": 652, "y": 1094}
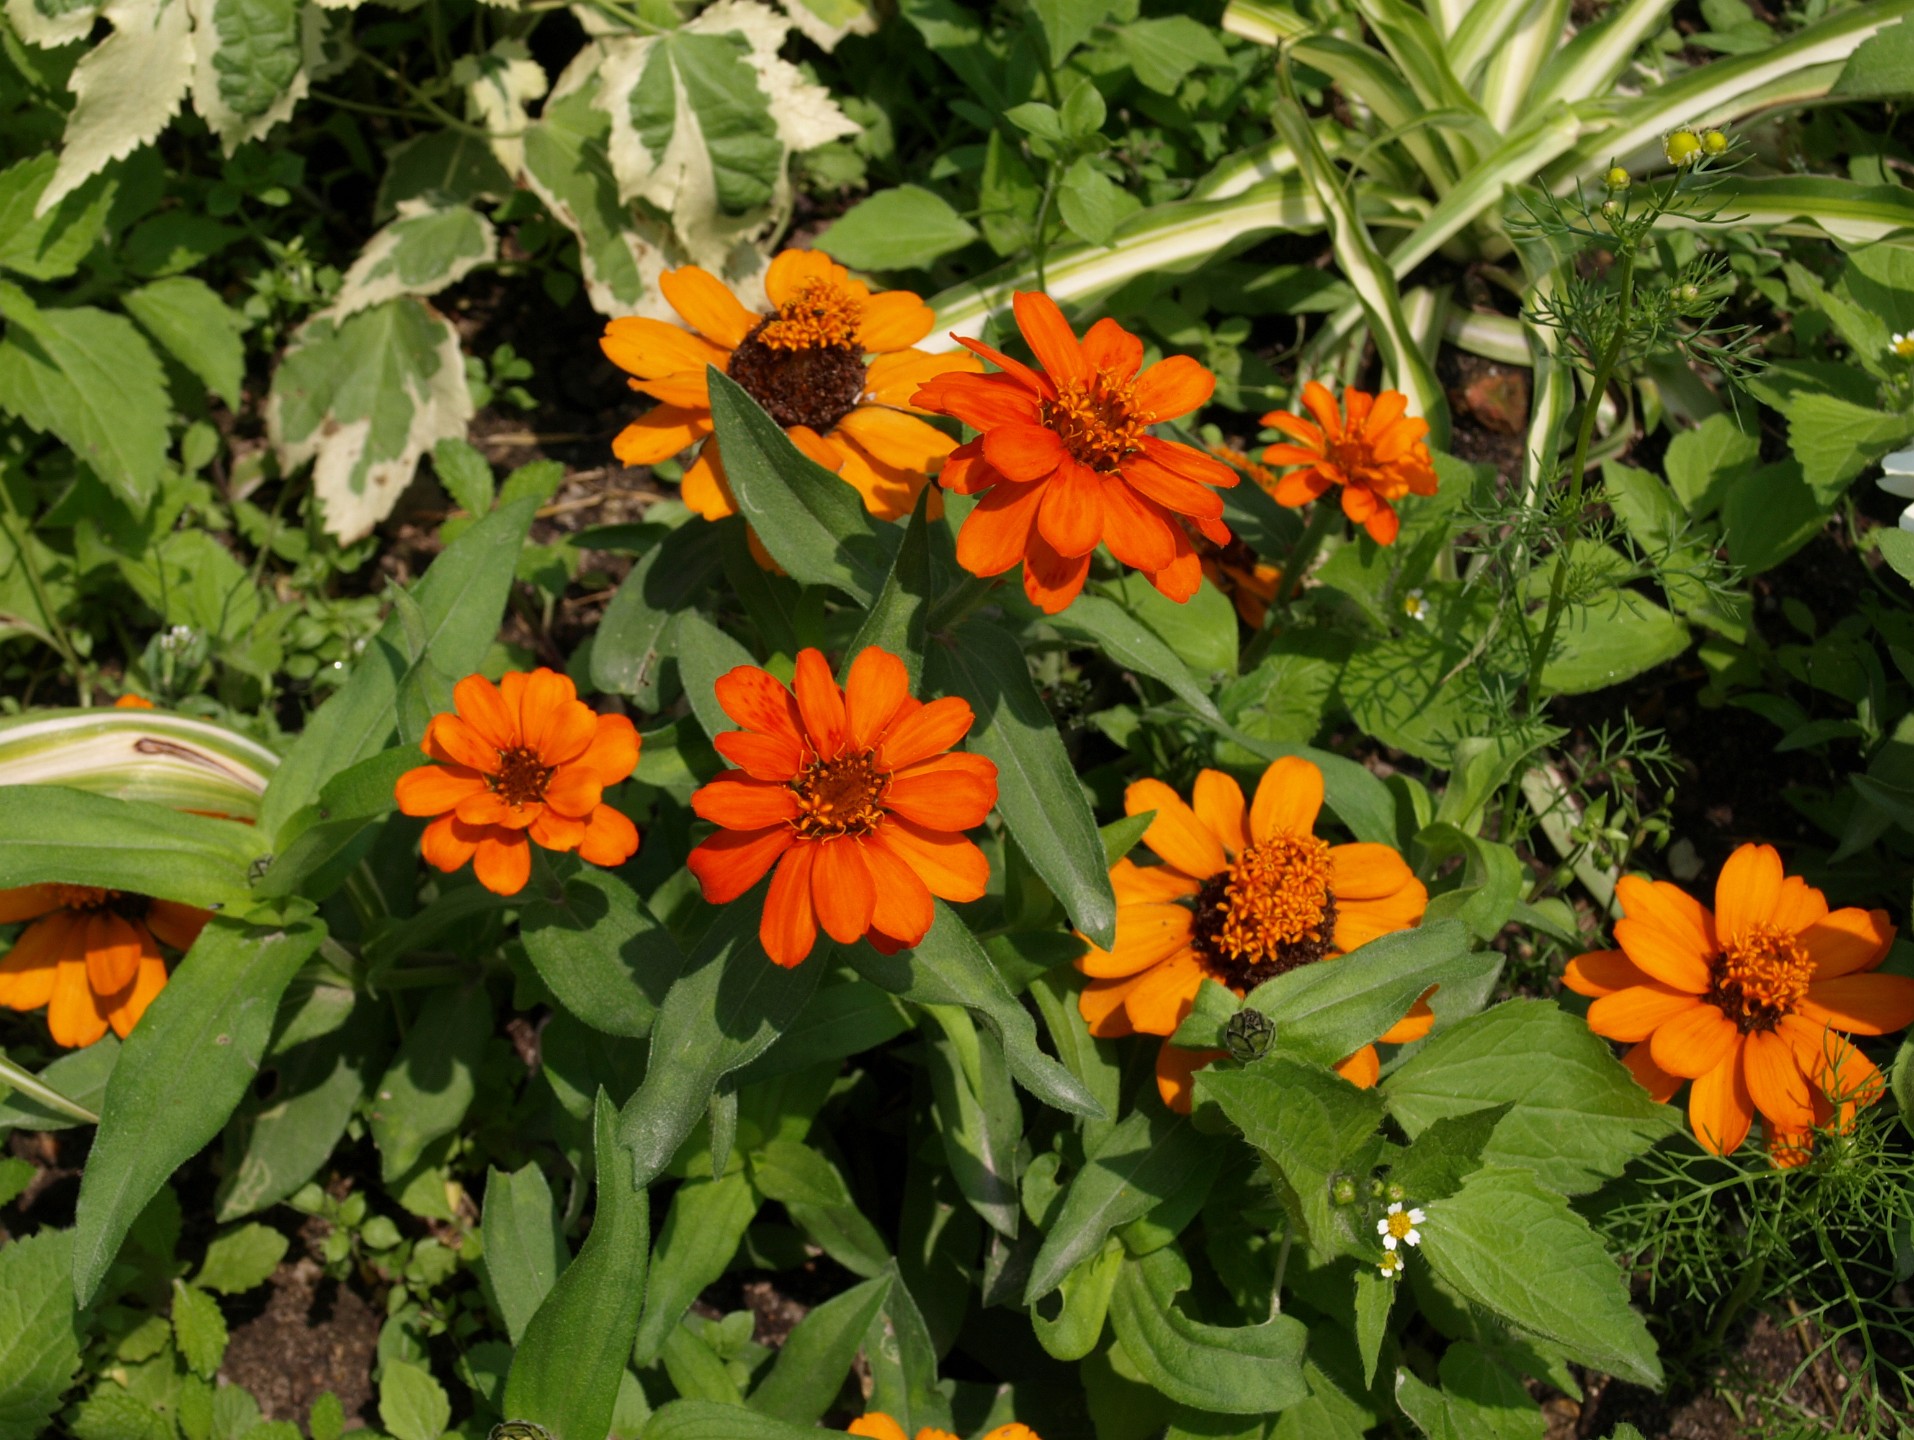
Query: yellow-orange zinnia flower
{"x": 833, "y": 364}
{"x": 1242, "y": 896}
{"x": 1376, "y": 455}
{"x": 523, "y": 758}
{"x": 132, "y": 702}
{"x": 1745, "y": 1000}
{"x": 1065, "y": 460}
{"x": 90, "y": 956}
{"x": 879, "y": 1426}
{"x": 851, "y": 794}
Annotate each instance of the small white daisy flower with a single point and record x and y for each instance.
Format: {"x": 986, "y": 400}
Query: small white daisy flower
{"x": 1897, "y": 478}
{"x": 1414, "y": 606}
{"x": 1399, "y": 1226}
{"x": 1390, "y": 1265}
{"x": 1901, "y": 346}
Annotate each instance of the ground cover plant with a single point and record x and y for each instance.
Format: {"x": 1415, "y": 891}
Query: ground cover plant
{"x": 1063, "y": 720}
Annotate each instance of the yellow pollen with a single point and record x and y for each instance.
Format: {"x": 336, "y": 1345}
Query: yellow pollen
{"x": 1904, "y": 346}
{"x": 1759, "y": 976}
{"x": 84, "y": 897}
{"x": 823, "y": 315}
{"x": 1099, "y": 423}
{"x": 521, "y": 776}
{"x": 1277, "y": 896}
{"x": 840, "y": 797}
{"x": 1400, "y": 1224}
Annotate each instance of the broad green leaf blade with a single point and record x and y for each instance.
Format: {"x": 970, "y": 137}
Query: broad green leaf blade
{"x": 1375, "y": 1294}
{"x": 425, "y": 1092}
{"x": 842, "y": 1018}
{"x": 77, "y": 1081}
{"x": 1609, "y": 638}
{"x": 1085, "y": 1295}
{"x": 976, "y": 1116}
{"x": 813, "y": 523}
{"x": 1127, "y": 641}
{"x": 728, "y": 1007}
{"x": 949, "y": 967}
{"x": 819, "y": 1202}
{"x": 1137, "y": 1166}
{"x": 1578, "y": 1115}
{"x": 601, "y": 953}
{"x": 566, "y": 1373}
{"x": 50, "y": 833}
{"x": 701, "y": 1234}
{"x": 710, "y": 1420}
{"x": 39, "y": 1332}
{"x": 1517, "y": 1249}
{"x": 241, "y": 1260}
{"x": 185, "y": 1066}
{"x": 630, "y": 644}
{"x": 412, "y": 1405}
{"x": 197, "y": 328}
{"x": 816, "y": 1356}
{"x": 897, "y": 619}
{"x": 903, "y": 1363}
{"x": 429, "y": 247}
{"x": 525, "y": 1249}
{"x": 460, "y": 599}
{"x": 1037, "y": 791}
{"x": 903, "y": 228}
{"x": 1229, "y": 1370}
{"x": 49, "y": 246}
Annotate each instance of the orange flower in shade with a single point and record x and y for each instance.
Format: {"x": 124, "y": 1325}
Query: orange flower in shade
{"x": 91, "y": 956}
{"x": 851, "y": 794}
{"x": 832, "y": 364}
{"x": 1065, "y": 460}
{"x": 1242, "y": 896}
{"x": 1376, "y": 455}
{"x": 879, "y": 1426}
{"x": 132, "y": 702}
{"x": 524, "y": 760}
{"x": 1745, "y": 1000}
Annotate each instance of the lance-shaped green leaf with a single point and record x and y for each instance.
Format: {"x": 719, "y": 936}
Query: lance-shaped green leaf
{"x": 180, "y": 1073}
{"x": 904, "y": 1363}
{"x": 601, "y": 953}
{"x": 1229, "y": 1370}
{"x": 40, "y": 1331}
{"x": 701, "y": 1233}
{"x": 1375, "y": 1294}
{"x": 706, "y": 655}
{"x": 60, "y": 1096}
{"x": 1128, "y": 642}
{"x": 525, "y": 1250}
{"x": 949, "y": 967}
{"x": 49, "y": 833}
{"x": 1139, "y": 1164}
{"x": 713, "y": 1420}
{"x": 977, "y": 1116}
{"x": 1037, "y": 790}
{"x": 898, "y": 618}
{"x": 567, "y": 1370}
{"x": 813, "y": 523}
{"x": 819, "y": 1203}
{"x": 728, "y": 1007}
{"x": 1516, "y": 1249}
{"x": 431, "y": 1082}
{"x": 816, "y": 1356}
{"x": 632, "y": 639}
{"x": 458, "y": 604}
{"x": 842, "y": 1018}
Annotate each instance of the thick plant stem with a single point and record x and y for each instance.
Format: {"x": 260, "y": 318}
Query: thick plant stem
{"x": 1282, "y": 1266}
{"x": 1321, "y": 519}
{"x": 1584, "y": 434}
{"x": 956, "y": 603}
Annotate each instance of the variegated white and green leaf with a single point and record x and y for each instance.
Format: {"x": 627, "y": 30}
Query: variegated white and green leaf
{"x": 51, "y": 23}
{"x": 125, "y": 90}
{"x": 825, "y": 22}
{"x": 150, "y": 755}
{"x": 426, "y": 249}
{"x": 500, "y": 85}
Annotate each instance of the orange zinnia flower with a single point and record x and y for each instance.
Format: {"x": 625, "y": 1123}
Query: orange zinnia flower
{"x": 851, "y": 795}
{"x": 1745, "y": 1001}
{"x": 1239, "y": 899}
{"x": 808, "y": 363}
{"x": 132, "y": 702}
{"x": 522, "y": 758}
{"x": 91, "y": 956}
{"x": 879, "y": 1426}
{"x": 1376, "y": 455}
{"x": 1065, "y": 460}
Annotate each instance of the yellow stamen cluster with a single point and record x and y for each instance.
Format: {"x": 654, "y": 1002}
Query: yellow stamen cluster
{"x": 1099, "y": 423}
{"x": 1400, "y": 1224}
{"x": 823, "y": 315}
{"x": 840, "y": 797}
{"x": 1759, "y": 976}
{"x": 521, "y": 777}
{"x": 1277, "y": 895}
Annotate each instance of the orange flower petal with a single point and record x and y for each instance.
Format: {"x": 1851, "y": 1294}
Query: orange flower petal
{"x": 1299, "y": 487}
{"x": 1360, "y": 921}
{"x": 1663, "y": 956}
{"x": 1050, "y": 337}
{"x": 1111, "y": 351}
{"x": 1366, "y": 871}
{"x": 660, "y": 433}
{"x": 948, "y": 792}
{"x": 877, "y": 1426}
{"x": 75, "y": 1016}
{"x": 875, "y": 691}
{"x": 1775, "y": 1083}
{"x": 820, "y": 702}
{"x": 894, "y": 320}
{"x": 763, "y": 757}
{"x": 1411, "y": 1027}
{"x": 503, "y": 860}
{"x": 610, "y": 837}
{"x": 1218, "y": 802}
{"x": 1637, "y": 1012}
{"x": 1167, "y": 488}
{"x": 650, "y": 348}
{"x": 896, "y": 438}
{"x": 1670, "y": 909}
{"x": 1071, "y": 516}
{"x": 486, "y": 808}
{"x": 452, "y": 741}
{"x": 894, "y": 378}
{"x": 1603, "y": 972}
{"x": 1175, "y": 834}
{"x": 1799, "y": 905}
{"x": 1693, "y": 1042}
{"x": 1024, "y": 453}
{"x": 1139, "y": 884}
{"x": 27, "y": 972}
{"x": 1051, "y": 581}
{"x": 1138, "y": 531}
{"x": 481, "y": 706}
{"x": 574, "y": 790}
{"x": 28, "y": 902}
{"x": 1861, "y": 1004}
{"x": 951, "y": 866}
{"x": 903, "y": 905}
{"x": 1720, "y": 1110}
{"x": 1034, "y": 380}
{"x": 1848, "y": 940}
{"x": 1289, "y": 797}
{"x": 730, "y": 862}
{"x": 1164, "y": 994}
{"x": 704, "y": 487}
{"x": 737, "y": 802}
{"x": 928, "y": 730}
{"x": 555, "y": 831}
{"x": 996, "y": 535}
{"x": 113, "y": 948}
{"x": 759, "y": 702}
{"x": 982, "y": 402}
{"x": 1146, "y": 935}
{"x": 613, "y": 752}
{"x": 1322, "y": 405}
{"x": 1362, "y": 1069}
{"x": 552, "y": 721}
{"x": 125, "y": 1008}
{"x": 448, "y": 843}
{"x": 175, "y": 924}
{"x": 788, "y": 928}
{"x": 842, "y": 891}
{"x": 1382, "y": 523}
{"x": 1748, "y": 890}
{"x": 1182, "y": 577}
{"x": 1101, "y": 1004}
{"x": 435, "y": 789}
{"x": 1176, "y": 1077}
{"x": 707, "y": 305}
{"x": 1173, "y": 387}
{"x": 1839, "y": 1069}
{"x": 1640, "y": 1063}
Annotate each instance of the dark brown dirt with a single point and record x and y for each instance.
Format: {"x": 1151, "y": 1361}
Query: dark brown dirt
{"x": 1488, "y": 404}
{"x": 312, "y": 1336}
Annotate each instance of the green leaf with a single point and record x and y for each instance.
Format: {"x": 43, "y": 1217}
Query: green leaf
{"x": 898, "y": 618}
{"x": 79, "y": 1077}
{"x": 459, "y": 600}
{"x": 1201, "y": 630}
{"x": 1128, "y": 642}
{"x": 1067, "y": 23}
{"x": 976, "y": 1114}
{"x": 40, "y": 1331}
{"x": 700, "y": 92}
{"x": 1037, "y": 791}
{"x": 258, "y": 53}
{"x": 728, "y": 1007}
{"x": 601, "y": 953}
{"x": 1881, "y": 66}
{"x": 465, "y": 474}
{"x": 842, "y": 1018}
{"x": 1085, "y": 1293}
{"x": 1138, "y": 1165}
{"x": 185, "y": 1066}
{"x": 49, "y": 246}
{"x": 568, "y": 167}
{"x": 1091, "y": 203}
{"x": 706, "y": 654}
{"x": 1375, "y": 1294}
{"x": 1579, "y": 1116}
{"x": 1704, "y": 464}
{"x": 195, "y": 327}
{"x": 1517, "y": 1249}
{"x": 710, "y": 1420}
{"x": 1770, "y": 514}
{"x": 1162, "y": 51}
{"x": 1229, "y": 1370}
{"x": 949, "y": 967}
{"x": 1479, "y": 1399}
{"x": 819, "y": 1203}
{"x": 1609, "y": 639}
{"x": 1901, "y": 1080}
{"x": 813, "y": 523}
{"x": 429, "y": 247}
{"x": 903, "y": 1363}
{"x": 89, "y": 379}
{"x": 412, "y": 1405}
{"x": 1897, "y": 548}
{"x": 816, "y": 1356}
{"x": 429, "y": 1086}
{"x": 199, "y": 1329}
{"x": 567, "y": 1370}
{"x": 701, "y": 1234}
{"x": 1439, "y": 1159}
{"x": 630, "y": 644}
{"x": 904, "y": 228}
{"x": 241, "y": 1260}
{"x": 524, "y": 1245}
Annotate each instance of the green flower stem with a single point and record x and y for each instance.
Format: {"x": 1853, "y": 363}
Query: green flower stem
{"x": 956, "y": 603}
{"x": 1321, "y": 520}
{"x": 1282, "y": 1267}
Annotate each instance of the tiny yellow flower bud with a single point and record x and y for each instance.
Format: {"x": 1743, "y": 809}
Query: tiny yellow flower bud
{"x": 1714, "y": 142}
{"x": 1689, "y": 293}
{"x": 1611, "y": 208}
{"x": 1616, "y": 178}
{"x": 1682, "y": 147}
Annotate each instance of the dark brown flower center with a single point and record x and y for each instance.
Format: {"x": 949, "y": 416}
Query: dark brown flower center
{"x": 1268, "y": 913}
{"x": 1759, "y": 976}
{"x": 840, "y": 797}
{"x": 1098, "y": 422}
{"x": 805, "y": 364}
{"x": 521, "y": 776}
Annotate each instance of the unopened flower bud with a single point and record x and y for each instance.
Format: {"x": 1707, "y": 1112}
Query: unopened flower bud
{"x": 1682, "y": 147}
{"x": 1689, "y": 293}
{"x": 1611, "y": 208}
{"x": 1396, "y": 1193}
{"x": 1714, "y": 142}
{"x": 1343, "y": 1190}
{"x": 1616, "y": 178}
{"x": 1375, "y": 1187}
